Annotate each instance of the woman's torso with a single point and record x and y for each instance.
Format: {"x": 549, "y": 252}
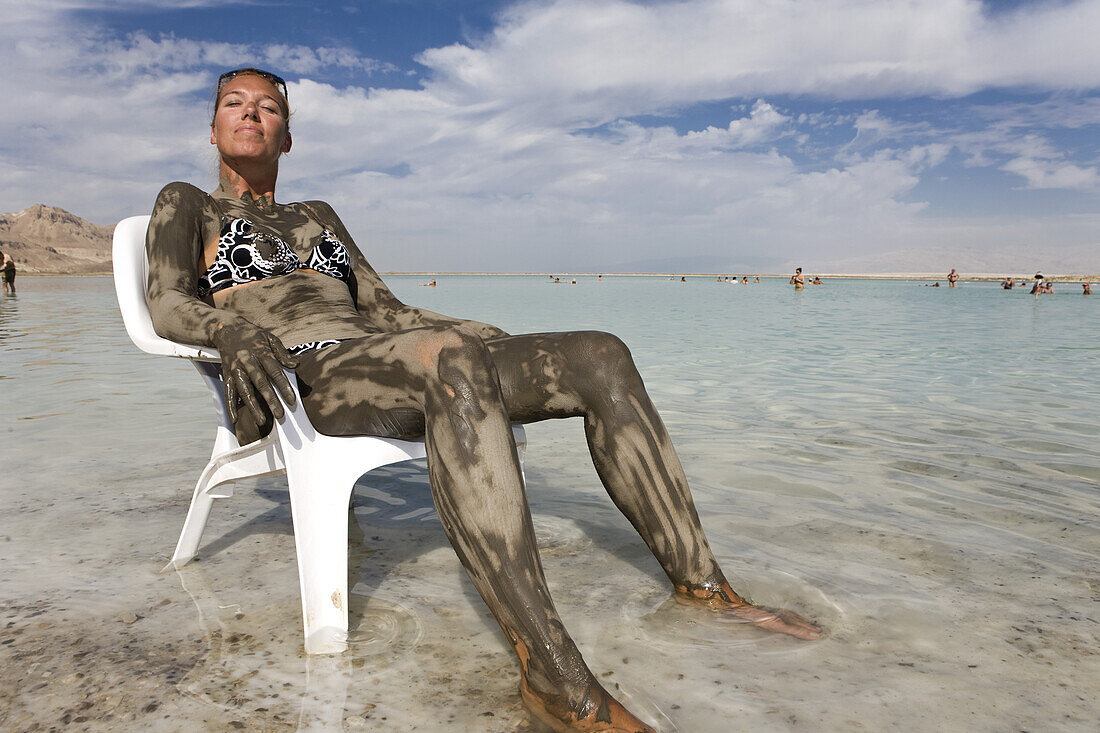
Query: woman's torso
{"x": 256, "y": 262}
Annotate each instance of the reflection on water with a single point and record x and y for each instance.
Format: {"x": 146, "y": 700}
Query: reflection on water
{"x": 9, "y": 319}
{"x": 901, "y": 464}
{"x": 253, "y": 664}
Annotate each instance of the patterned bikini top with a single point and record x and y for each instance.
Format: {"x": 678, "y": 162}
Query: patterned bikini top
{"x": 245, "y": 256}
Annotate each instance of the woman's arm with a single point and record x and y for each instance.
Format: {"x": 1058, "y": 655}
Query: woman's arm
{"x": 174, "y": 245}
{"x": 377, "y": 302}
{"x": 252, "y": 358}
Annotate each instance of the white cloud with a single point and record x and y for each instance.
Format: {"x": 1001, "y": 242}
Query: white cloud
{"x": 1046, "y": 173}
{"x": 575, "y": 60}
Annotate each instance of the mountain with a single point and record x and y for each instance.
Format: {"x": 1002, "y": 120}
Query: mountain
{"x": 48, "y": 240}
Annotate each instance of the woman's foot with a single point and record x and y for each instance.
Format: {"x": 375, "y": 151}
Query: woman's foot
{"x": 602, "y": 712}
{"x": 723, "y": 598}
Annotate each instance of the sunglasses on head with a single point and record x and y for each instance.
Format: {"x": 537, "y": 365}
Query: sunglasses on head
{"x": 273, "y": 78}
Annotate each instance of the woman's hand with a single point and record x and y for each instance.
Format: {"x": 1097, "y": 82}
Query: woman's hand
{"x": 253, "y": 361}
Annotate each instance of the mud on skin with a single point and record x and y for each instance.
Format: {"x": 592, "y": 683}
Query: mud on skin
{"x": 401, "y": 372}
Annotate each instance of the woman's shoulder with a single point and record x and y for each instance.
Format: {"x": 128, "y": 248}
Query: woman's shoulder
{"x": 318, "y": 207}
{"x": 182, "y": 194}
{"x": 321, "y": 212}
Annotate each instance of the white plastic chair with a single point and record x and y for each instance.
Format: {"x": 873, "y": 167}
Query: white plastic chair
{"x": 321, "y": 470}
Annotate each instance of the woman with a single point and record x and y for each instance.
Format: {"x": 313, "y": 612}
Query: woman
{"x": 235, "y": 270}
{"x": 797, "y": 279}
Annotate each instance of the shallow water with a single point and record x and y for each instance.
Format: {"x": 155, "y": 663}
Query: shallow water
{"x": 917, "y": 469}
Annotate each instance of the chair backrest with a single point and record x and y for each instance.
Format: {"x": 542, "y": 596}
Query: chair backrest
{"x": 131, "y": 266}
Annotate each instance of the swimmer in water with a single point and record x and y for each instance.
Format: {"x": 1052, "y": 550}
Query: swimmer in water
{"x": 282, "y": 285}
{"x": 797, "y": 280}
{"x": 952, "y": 278}
{"x": 1086, "y": 289}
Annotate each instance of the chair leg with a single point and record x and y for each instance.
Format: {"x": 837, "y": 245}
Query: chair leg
{"x": 193, "y": 526}
{"x": 239, "y": 462}
{"x": 319, "y": 506}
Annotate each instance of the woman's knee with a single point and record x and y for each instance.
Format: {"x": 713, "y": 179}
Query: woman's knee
{"x": 601, "y": 361}
{"x": 600, "y": 346}
{"x": 460, "y": 361}
{"x": 438, "y": 344}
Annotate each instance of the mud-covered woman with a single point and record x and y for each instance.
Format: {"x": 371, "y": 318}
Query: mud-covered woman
{"x": 274, "y": 285}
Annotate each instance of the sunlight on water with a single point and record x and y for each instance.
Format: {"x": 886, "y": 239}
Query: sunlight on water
{"x": 916, "y": 469}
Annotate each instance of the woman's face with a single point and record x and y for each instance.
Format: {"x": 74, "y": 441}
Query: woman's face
{"x": 248, "y": 122}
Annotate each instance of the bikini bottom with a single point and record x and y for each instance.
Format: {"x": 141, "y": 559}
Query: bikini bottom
{"x": 313, "y": 346}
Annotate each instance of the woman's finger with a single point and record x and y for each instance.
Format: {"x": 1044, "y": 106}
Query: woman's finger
{"x": 277, "y": 377}
{"x": 248, "y": 395}
{"x": 283, "y": 356}
{"x": 231, "y": 399}
{"x": 263, "y": 374}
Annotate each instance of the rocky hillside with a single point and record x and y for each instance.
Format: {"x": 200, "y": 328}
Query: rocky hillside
{"x": 49, "y": 240}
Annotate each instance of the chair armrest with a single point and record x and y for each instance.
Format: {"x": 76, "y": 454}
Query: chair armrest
{"x": 130, "y": 269}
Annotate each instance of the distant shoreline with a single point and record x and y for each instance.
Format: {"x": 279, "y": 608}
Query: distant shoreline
{"x": 824, "y": 276}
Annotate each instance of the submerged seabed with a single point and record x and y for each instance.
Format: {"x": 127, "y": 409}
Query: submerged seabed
{"x": 916, "y": 469}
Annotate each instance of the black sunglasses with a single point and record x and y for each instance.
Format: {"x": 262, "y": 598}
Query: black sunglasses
{"x": 273, "y": 78}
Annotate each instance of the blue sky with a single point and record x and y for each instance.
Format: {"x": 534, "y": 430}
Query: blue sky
{"x": 569, "y": 135}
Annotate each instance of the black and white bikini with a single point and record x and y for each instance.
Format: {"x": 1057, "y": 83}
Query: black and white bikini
{"x": 246, "y": 255}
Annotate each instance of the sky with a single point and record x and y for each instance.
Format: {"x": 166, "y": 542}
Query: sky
{"x": 594, "y": 135}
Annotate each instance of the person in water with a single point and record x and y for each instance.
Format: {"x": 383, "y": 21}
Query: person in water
{"x": 797, "y": 279}
{"x": 238, "y": 271}
{"x": 7, "y": 272}
{"x": 1086, "y": 289}
{"x": 952, "y": 278}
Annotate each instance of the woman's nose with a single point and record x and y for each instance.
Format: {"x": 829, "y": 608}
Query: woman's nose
{"x": 250, "y": 111}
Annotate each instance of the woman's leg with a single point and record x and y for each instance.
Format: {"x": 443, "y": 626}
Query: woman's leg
{"x": 444, "y": 380}
{"x": 592, "y": 374}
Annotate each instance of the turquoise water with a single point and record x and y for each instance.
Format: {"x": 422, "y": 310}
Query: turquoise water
{"x": 918, "y": 469}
